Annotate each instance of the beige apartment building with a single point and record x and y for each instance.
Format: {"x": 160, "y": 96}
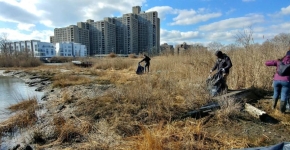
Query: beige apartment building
{"x": 71, "y": 33}
{"x": 133, "y": 33}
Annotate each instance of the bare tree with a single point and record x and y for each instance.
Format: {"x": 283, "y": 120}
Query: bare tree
{"x": 245, "y": 38}
{"x": 281, "y": 41}
{"x": 214, "y": 46}
{"x": 4, "y": 44}
{"x": 230, "y": 47}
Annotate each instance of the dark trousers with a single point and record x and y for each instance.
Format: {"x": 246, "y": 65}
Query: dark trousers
{"x": 147, "y": 66}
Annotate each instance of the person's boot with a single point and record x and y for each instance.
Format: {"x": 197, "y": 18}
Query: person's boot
{"x": 274, "y": 103}
{"x": 288, "y": 106}
{"x": 283, "y": 106}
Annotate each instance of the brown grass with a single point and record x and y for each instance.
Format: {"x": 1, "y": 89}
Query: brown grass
{"x": 230, "y": 108}
{"x": 118, "y": 63}
{"x": 175, "y": 85}
{"x": 19, "y": 60}
{"x": 24, "y": 116}
{"x": 112, "y": 55}
{"x": 132, "y": 56}
{"x": 144, "y": 111}
{"x": 64, "y": 80}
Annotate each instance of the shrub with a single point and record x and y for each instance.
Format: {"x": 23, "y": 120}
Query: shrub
{"x": 132, "y": 56}
{"x": 112, "y": 55}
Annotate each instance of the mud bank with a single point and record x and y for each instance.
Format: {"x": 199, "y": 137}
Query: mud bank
{"x": 56, "y": 104}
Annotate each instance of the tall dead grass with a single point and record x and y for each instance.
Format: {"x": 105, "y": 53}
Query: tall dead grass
{"x": 175, "y": 85}
{"x": 64, "y": 80}
{"x": 24, "y": 115}
{"x": 144, "y": 111}
{"x": 118, "y": 63}
{"x": 19, "y": 60}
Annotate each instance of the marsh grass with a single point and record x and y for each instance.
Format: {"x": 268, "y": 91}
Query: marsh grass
{"x": 69, "y": 131}
{"x": 64, "y": 80}
{"x": 176, "y": 85}
{"x": 24, "y": 116}
{"x": 19, "y": 59}
{"x": 230, "y": 108}
{"x": 112, "y": 55}
{"x": 144, "y": 111}
{"x": 113, "y": 63}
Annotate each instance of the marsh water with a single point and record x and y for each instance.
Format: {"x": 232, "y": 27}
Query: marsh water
{"x": 13, "y": 90}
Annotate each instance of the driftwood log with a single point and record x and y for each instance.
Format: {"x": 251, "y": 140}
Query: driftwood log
{"x": 254, "y": 111}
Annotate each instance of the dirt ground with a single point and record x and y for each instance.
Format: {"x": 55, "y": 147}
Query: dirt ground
{"x": 260, "y": 132}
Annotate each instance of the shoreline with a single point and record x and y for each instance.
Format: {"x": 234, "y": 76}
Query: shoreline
{"x": 55, "y": 103}
{"x": 17, "y": 137}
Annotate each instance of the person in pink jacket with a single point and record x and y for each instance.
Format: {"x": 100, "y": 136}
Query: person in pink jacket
{"x": 281, "y": 84}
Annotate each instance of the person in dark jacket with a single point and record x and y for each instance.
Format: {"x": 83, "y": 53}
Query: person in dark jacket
{"x": 147, "y": 62}
{"x": 281, "y": 84}
{"x": 223, "y": 64}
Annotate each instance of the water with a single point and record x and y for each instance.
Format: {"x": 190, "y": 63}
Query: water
{"x": 13, "y": 90}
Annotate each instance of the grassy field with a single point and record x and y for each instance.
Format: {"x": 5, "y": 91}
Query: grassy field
{"x": 144, "y": 111}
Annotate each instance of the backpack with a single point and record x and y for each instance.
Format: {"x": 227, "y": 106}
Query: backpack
{"x": 283, "y": 69}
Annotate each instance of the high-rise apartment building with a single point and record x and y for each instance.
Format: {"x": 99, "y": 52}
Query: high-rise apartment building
{"x": 71, "y": 33}
{"x": 149, "y": 31}
{"x": 134, "y": 32}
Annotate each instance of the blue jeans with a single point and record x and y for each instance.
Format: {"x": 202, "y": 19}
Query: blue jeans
{"x": 281, "y": 88}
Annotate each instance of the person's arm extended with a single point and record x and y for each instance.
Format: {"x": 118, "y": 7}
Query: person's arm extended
{"x": 142, "y": 60}
{"x": 214, "y": 67}
{"x": 271, "y": 63}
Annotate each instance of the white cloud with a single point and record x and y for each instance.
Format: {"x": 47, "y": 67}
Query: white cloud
{"x": 281, "y": 28}
{"x": 175, "y": 36}
{"x": 188, "y": 17}
{"x": 162, "y": 11}
{"x": 285, "y": 11}
{"x": 47, "y": 23}
{"x": 56, "y": 13}
{"x": 230, "y": 11}
{"x": 81, "y": 10}
{"x": 184, "y": 17}
{"x": 25, "y": 26}
{"x": 16, "y": 35}
{"x": 234, "y": 23}
{"x": 12, "y": 12}
{"x": 221, "y": 36}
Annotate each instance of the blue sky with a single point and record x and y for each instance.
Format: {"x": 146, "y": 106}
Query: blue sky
{"x": 190, "y": 21}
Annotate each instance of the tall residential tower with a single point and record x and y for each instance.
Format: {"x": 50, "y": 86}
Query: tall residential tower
{"x": 134, "y": 32}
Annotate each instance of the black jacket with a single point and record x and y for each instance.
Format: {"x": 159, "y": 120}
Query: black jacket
{"x": 146, "y": 59}
{"x": 224, "y": 62}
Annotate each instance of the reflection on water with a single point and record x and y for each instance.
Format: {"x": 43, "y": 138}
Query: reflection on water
{"x": 13, "y": 90}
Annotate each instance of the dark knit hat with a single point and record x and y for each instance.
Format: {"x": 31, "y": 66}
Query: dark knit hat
{"x": 288, "y": 53}
{"x": 219, "y": 54}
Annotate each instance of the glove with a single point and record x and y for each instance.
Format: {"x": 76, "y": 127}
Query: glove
{"x": 223, "y": 69}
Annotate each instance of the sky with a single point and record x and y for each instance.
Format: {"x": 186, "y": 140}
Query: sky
{"x": 190, "y": 21}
